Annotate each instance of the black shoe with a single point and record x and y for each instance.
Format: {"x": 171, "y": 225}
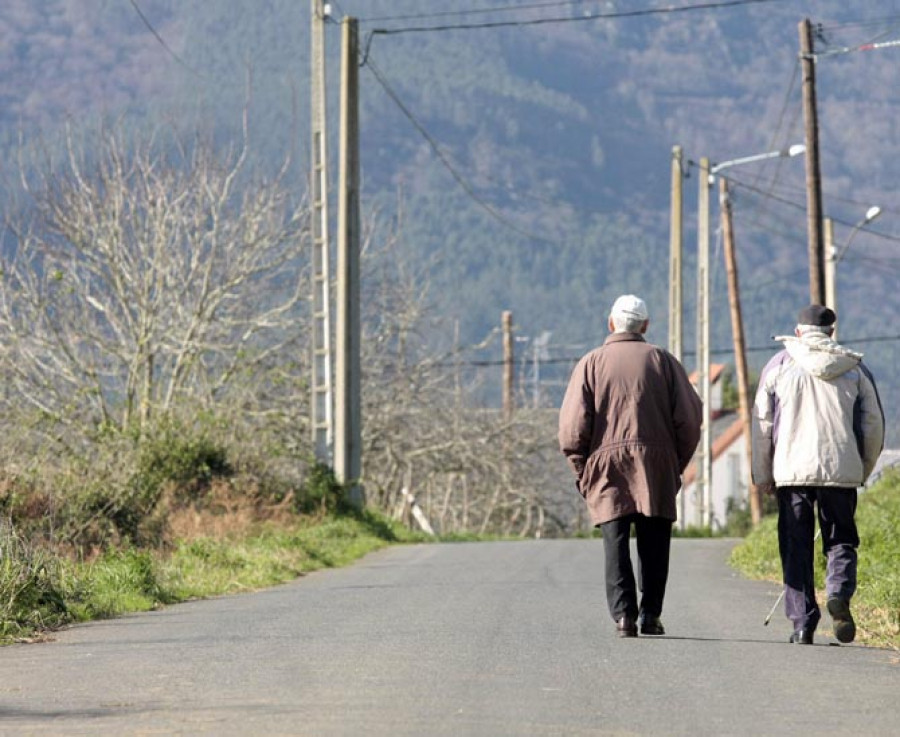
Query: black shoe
{"x": 844, "y": 626}
{"x": 802, "y": 637}
{"x": 626, "y": 627}
{"x": 651, "y": 625}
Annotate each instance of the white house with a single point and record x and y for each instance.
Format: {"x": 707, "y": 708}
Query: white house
{"x": 730, "y": 482}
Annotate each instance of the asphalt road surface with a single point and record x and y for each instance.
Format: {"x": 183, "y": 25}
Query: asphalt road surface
{"x": 465, "y": 639}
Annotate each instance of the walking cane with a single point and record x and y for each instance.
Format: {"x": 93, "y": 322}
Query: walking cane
{"x": 781, "y": 595}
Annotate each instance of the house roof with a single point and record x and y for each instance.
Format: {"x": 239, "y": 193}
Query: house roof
{"x": 715, "y": 373}
{"x": 729, "y": 433}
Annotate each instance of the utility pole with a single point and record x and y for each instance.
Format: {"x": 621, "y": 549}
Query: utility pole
{"x": 704, "y": 451}
{"x": 740, "y": 351}
{"x": 813, "y": 171}
{"x": 508, "y": 365}
{"x": 348, "y": 398}
{"x": 321, "y": 409}
{"x": 830, "y": 270}
{"x": 675, "y": 250}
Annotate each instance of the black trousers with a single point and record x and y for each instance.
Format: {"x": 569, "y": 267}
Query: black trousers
{"x": 654, "y": 538}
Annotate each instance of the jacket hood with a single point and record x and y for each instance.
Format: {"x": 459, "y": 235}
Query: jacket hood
{"x": 820, "y": 355}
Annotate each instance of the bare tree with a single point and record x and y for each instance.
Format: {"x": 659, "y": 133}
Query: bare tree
{"x": 142, "y": 274}
{"x": 157, "y": 277}
{"x": 470, "y": 469}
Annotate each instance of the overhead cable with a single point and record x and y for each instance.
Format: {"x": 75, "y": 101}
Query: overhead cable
{"x": 161, "y": 40}
{"x": 713, "y": 351}
{"x": 471, "y": 11}
{"x": 571, "y": 19}
{"x": 442, "y": 157}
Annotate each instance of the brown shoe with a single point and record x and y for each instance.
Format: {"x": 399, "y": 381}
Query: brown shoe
{"x": 842, "y": 619}
{"x": 626, "y": 627}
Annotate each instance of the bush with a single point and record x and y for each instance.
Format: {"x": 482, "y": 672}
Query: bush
{"x": 177, "y": 455}
{"x": 30, "y": 592}
{"x": 321, "y": 491}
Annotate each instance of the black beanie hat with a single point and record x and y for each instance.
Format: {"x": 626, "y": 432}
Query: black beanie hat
{"x": 818, "y": 315}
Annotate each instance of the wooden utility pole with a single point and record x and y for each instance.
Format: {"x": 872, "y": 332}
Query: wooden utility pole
{"x": 675, "y": 250}
{"x": 740, "y": 351}
{"x": 813, "y": 171}
{"x": 321, "y": 401}
{"x": 508, "y": 365}
{"x": 704, "y": 450}
{"x": 348, "y": 398}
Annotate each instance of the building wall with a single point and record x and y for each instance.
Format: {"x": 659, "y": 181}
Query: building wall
{"x": 730, "y": 481}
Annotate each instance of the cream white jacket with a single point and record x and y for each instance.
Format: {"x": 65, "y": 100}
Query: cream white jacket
{"x": 817, "y": 419}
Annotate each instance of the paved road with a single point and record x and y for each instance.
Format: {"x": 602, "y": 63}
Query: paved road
{"x": 469, "y": 639}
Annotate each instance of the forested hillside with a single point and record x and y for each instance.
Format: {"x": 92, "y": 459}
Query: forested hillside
{"x": 559, "y": 137}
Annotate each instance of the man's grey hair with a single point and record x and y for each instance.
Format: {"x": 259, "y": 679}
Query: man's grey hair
{"x": 824, "y": 329}
{"x": 623, "y": 324}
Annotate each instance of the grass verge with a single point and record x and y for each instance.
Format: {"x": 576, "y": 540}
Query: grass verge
{"x": 41, "y": 592}
{"x": 876, "y": 606}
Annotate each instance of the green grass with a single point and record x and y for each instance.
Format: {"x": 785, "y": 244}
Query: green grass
{"x": 274, "y": 554}
{"x": 30, "y": 597}
{"x": 876, "y": 605}
{"x": 42, "y": 592}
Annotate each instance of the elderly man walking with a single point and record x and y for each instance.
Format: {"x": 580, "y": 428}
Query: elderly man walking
{"x": 818, "y": 429}
{"x": 629, "y": 425}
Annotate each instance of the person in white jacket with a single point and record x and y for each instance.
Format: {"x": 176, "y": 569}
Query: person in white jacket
{"x": 818, "y": 429}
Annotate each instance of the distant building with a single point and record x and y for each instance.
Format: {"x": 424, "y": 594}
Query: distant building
{"x": 730, "y": 481}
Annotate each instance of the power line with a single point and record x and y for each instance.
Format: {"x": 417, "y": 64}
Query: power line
{"x": 870, "y": 23}
{"x": 873, "y": 43}
{"x": 801, "y": 206}
{"x": 442, "y": 157}
{"x": 784, "y": 108}
{"x": 860, "y": 47}
{"x": 162, "y": 42}
{"x": 787, "y": 188}
{"x": 571, "y": 19}
{"x": 471, "y": 11}
{"x": 713, "y": 351}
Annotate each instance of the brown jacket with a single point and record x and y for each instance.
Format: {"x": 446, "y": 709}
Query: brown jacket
{"x": 629, "y": 425}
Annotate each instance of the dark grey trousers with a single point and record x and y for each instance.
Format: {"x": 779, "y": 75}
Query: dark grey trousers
{"x": 654, "y": 539}
{"x": 796, "y": 533}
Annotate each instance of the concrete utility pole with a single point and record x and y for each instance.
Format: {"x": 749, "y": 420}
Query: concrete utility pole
{"x": 830, "y": 266}
{"x": 321, "y": 408}
{"x": 348, "y": 398}
{"x": 834, "y": 257}
{"x": 508, "y": 365}
{"x": 813, "y": 171}
{"x": 704, "y": 450}
{"x": 675, "y": 249}
{"x": 740, "y": 351}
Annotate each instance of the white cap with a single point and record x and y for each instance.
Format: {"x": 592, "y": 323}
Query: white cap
{"x": 629, "y": 306}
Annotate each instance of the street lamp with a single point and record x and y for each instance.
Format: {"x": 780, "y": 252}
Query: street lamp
{"x": 872, "y": 213}
{"x": 834, "y": 258}
{"x": 704, "y": 453}
{"x": 784, "y": 153}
